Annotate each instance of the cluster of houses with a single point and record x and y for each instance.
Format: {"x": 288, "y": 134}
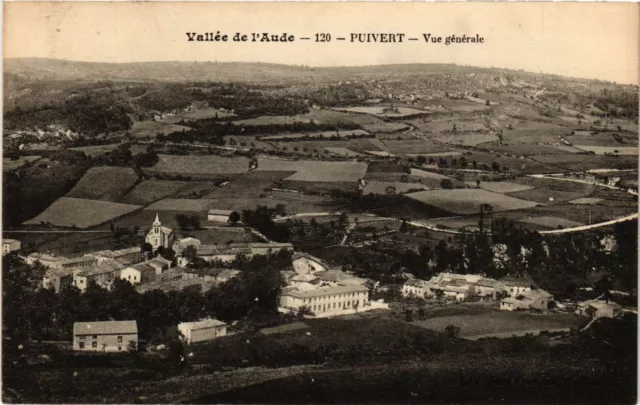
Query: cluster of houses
{"x": 325, "y": 292}
{"x": 514, "y": 293}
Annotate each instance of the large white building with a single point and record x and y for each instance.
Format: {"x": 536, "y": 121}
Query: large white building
{"x": 10, "y": 245}
{"x": 327, "y": 301}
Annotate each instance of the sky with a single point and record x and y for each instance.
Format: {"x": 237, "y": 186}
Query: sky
{"x": 590, "y": 40}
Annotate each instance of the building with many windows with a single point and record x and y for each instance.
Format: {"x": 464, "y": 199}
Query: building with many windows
{"x": 327, "y": 301}
{"x": 107, "y": 336}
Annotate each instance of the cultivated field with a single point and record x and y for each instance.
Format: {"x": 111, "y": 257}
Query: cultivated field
{"x": 149, "y": 129}
{"x": 614, "y": 150}
{"x": 197, "y": 114}
{"x": 316, "y": 171}
{"x": 485, "y": 321}
{"x": 249, "y": 185}
{"x": 384, "y": 187}
{"x": 317, "y": 135}
{"x": 470, "y": 139}
{"x": 428, "y": 175}
{"x": 178, "y": 204}
{"x": 342, "y": 152}
{"x": 105, "y": 183}
{"x": 81, "y": 213}
{"x": 548, "y": 191}
{"x": 551, "y": 222}
{"x": 10, "y": 164}
{"x": 149, "y": 191}
{"x": 95, "y": 150}
{"x": 201, "y": 164}
{"x": 415, "y": 146}
{"x": 467, "y": 201}
{"x": 383, "y": 111}
{"x": 502, "y": 186}
{"x": 273, "y": 120}
{"x": 585, "y": 201}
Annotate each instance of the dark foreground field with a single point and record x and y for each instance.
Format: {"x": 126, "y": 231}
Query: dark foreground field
{"x": 370, "y": 360}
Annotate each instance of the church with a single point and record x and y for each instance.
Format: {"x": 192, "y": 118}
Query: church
{"x": 160, "y": 235}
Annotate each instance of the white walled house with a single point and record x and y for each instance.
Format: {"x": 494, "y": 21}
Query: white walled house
{"x": 107, "y": 336}
{"x": 138, "y": 274}
{"x": 515, "y": 286}
{"x": 416, "y": 288}
{"x": 221, "y": 216}
{"x": 200, "y": 331}
{"x": 10, "y": 245}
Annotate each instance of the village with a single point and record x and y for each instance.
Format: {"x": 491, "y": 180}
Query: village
{"x": 314, "y": 288}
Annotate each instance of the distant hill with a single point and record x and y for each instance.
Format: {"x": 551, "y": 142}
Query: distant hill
{"x": 40, "y": 68}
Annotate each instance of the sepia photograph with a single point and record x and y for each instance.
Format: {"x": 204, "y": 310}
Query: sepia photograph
{"x": 320, "y": 203}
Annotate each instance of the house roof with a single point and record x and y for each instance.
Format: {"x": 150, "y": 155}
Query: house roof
{"x": 80, "y": 259}
{"x": 106, "y": 267}
{"x": 601, "y": 304}
{"x": 173, "y": 285}
{"x": 515, "y": 281}
{"x": 212, "y": 250}
{"x": 141, "y": 267}
{"x": 215, "y": 211}
{"x": 7, "y": 240}
{"x": 204, "y": 324}
{"x": 319, "y": 292}
{"x": 415, "y": 282}
{"x": 300, "y": 255}
{"x": 304, "y": 277}
{"x": 166, "y": 230}
{"x": 105, "y": 328}
{"x": 126, "y": 251}
{"x": 489, "y": 282}
{"x": 332, "y": 275}
{"x": 159, "y": 260}
{"x": 189, "y": 240}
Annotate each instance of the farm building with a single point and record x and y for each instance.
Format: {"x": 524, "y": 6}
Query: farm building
{"x": 306, "y": 263}
{"x": 139, "y": 273}
{"x": 599, "y": 309}
{"x": 108, "y": 336}
{"x": 159, "y": 263}
{"x": 174, "y": 273}
{"x": 160, "y": 235}
{"x": 201, "y": 331}
{"x": 103, "y": 275}
{"x": 332, "y": 277}
{"x": 57, "y": 279}
{"x": 417, "y": 288}
{"x": 515, "y": 285}
{"x": 531, "y": 299}
{"x": 10, "y": 245}
{"x": 215, "y": 215}
{"x": 327, "y": 301}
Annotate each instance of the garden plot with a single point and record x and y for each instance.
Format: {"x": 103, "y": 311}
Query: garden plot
{"x": 81, "y": 213}
{"x": 316, "y": 171}
{"x": 201, "y": 164}
{"x": 551, "y": 222}
{"x": 180, "y": 204}
{"x": 105, "y": 183}
{"x": 468, "y": 201}
{"x": 94, "y": 150}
